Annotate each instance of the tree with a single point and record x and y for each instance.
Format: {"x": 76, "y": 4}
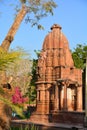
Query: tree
{"x": 36, "y": 9}
{"x": 7, "y": 58}
{"x": 32, "y": 85}
{"x": 31, "y": 88}
{"x": 6, "y": 90}
{"x": 17, "y": 97}
{"x": 19, "y": 71}
{"x": 79, "y": 55}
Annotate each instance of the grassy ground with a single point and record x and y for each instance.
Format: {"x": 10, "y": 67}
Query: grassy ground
{"x": 27, "y": 127}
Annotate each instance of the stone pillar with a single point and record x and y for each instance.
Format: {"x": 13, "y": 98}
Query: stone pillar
{"x": 79, "y": 98}
{"x": 47, "y": 102}
{"x": 43, "y": 99}
{"x": 61, "y": 97}
{"x": 65, "y": 97}
{"x": 69, "y": 99}
{"x": 56, "y": 98}
{"x": 38, "y": 95}
{"x": 74, "y": 98}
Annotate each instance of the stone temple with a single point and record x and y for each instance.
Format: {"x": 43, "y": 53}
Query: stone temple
{"x": 59, "y": 83}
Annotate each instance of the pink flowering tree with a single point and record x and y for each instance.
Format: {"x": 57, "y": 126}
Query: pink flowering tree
{"x": 17, "y": 97}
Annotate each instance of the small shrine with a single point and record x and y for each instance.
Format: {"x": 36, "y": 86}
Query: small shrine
{"x": 59, "y": 84}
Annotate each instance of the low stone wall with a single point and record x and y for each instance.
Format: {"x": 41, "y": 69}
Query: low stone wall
{"x": 68, "y": 117}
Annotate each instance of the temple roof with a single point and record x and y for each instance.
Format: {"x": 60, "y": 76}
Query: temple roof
{"x": 55, "y": 61}
{"x": 56, "y": 40}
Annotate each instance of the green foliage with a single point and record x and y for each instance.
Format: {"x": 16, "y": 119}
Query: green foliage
{"x": 32, "y": 86}
{"x": 19, "y": 71}
{"x": 34, "y": 67}
{"x": 23, "y": 1}
{"x": 79, "y": 55}
{"x": 15, "y": 108}
{"x": 37, "y": 52}
{"x": 6, "y": 58}
{"x": 34, "y": 76}
{"x": 27, "y": 127}
{"x": 1, "y": 91}
{"x": 48, "y": 6}
{"x": 37, "y": 9}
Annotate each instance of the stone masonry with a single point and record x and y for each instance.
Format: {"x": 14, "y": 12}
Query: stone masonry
{"x": 59, "y": 84}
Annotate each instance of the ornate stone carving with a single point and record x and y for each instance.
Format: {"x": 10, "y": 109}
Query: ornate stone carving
{"x": 56, "y": 66}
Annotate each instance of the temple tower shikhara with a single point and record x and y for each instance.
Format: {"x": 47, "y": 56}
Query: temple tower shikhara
{"x": 59, "y": 84}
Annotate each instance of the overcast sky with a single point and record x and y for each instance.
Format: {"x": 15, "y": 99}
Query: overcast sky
{"x": 71, "y": 15}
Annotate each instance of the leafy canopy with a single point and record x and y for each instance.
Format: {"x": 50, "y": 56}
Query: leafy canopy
{"x": 35, "y": 10}
{"x": 79, "y": 55}
{"x": 10, "y": 57}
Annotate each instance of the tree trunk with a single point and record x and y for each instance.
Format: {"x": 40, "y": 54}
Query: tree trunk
{"x": 10, "y": 35}
{"x": 5, "y": 115}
